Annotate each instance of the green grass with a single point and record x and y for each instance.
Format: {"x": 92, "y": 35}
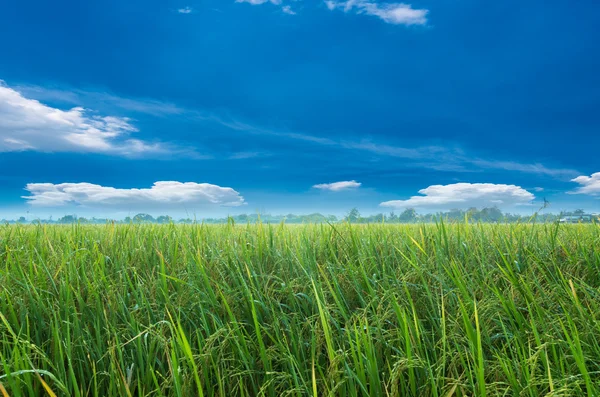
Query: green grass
{"x": 317, "y": 310}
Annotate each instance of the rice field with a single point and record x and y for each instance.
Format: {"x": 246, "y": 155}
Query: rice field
{"x": 314, "y": 310}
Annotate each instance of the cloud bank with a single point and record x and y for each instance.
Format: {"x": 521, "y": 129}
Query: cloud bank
{"x": 167, "y": 194}
{"x": 337, "y": 186}
{"x": 27, "y": 124}
{"x": 589, "y": 184}
{"x": 394, "y": 13}
{"x": 465, "y": 195}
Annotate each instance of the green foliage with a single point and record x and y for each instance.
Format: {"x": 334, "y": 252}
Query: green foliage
{"x": 353, "y": 216}
{"x": 409, "y": 215}
{"x": 276, "y": 310}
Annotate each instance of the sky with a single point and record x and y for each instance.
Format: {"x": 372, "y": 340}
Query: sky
{"x": 216, "y": 107}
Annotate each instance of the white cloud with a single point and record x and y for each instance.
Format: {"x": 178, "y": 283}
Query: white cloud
{"x": 288, "y": 10}
{"x": 27, "y": 124}
{"x": 331, "y": 5}
{"x": 285, "y": 9}
{"x": 465, "y": 195}
{"x": 337, "y": 186}
{"x": 247, "y": 155}
{"x": 258, "y": 2}
{"x": 394, "y": 13}
{"x": 538, "y": 189}
{"x": 524, "y": 167}
{"x": 100, "y": 98}
{"x": 185, "y": 10}
{"x": 394, "y": 151}
{"x": 160, "y": 195}
{"x": 446, "y": 158}
{"x": 589, "y": 184}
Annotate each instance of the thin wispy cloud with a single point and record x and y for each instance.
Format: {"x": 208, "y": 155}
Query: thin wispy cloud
{"x": 100, "y": 97}
{"x": 185, "y": 10}
{"x": 441, "y": 158}
{"x": 338, "y": 186}
{"x": 166, "y": 194}
{"x": 431, "y": 157}
{"x": 259, "y": 2}
{"x": 288, "y": 10}
{"x": 465, "y": 195}
{"x": 535, "y": 168}
{"x": 247, "y": 155}
{"x": 393, "y": 13}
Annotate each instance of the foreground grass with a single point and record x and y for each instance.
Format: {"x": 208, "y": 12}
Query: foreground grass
{"x": 371, "y": 310}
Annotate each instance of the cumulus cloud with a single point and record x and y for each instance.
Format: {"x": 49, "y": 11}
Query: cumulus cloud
{"x": 589, "y": 184}
{"x": 27, "y": 124}
{"x": 161, "y": 195}
{"x": 185, "y": 10}
{"x": 394, "y": 13}
{"x": 465, "y": 195}
{"x": 337, "y": 186}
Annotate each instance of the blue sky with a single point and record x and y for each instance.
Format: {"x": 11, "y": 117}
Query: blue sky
{"x": 297, "y": 106}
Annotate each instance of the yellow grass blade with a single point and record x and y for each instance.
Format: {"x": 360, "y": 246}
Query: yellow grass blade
{"x": 46, "y": 387}
{"x": 3, "y": 391}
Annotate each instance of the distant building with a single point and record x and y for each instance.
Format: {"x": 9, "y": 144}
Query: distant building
{"x": 582, "y": 218}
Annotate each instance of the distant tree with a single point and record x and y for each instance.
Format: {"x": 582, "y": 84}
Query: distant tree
{"x": 164, "y": 219}
{"x": 22, "y": 220}
{"x": 353, "y": 215}
{"x": 491, "y": 214}
{"x": 511, "y": 218}
{"x": 127, "y": 219}
{"x": 392, "y": 217}
{"x": 578, "y": 212}
{"x": 455, "y": 215}
{"x": 67, "y": 219}
{"x": 409, "y": 215}
{"x": 473, "y": 214}
{"x": 428, "y": 218}
{"x": 241, "y": 218}
{"x": 143, "y": 218}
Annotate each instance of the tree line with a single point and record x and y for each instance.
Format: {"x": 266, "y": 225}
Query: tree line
{"x": 409, "y": 215}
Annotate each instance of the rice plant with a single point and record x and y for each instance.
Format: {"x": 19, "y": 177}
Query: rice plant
{"x": 311, "y": 310}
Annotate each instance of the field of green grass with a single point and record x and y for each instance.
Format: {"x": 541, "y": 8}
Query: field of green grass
{"x": 316, "y": 310}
